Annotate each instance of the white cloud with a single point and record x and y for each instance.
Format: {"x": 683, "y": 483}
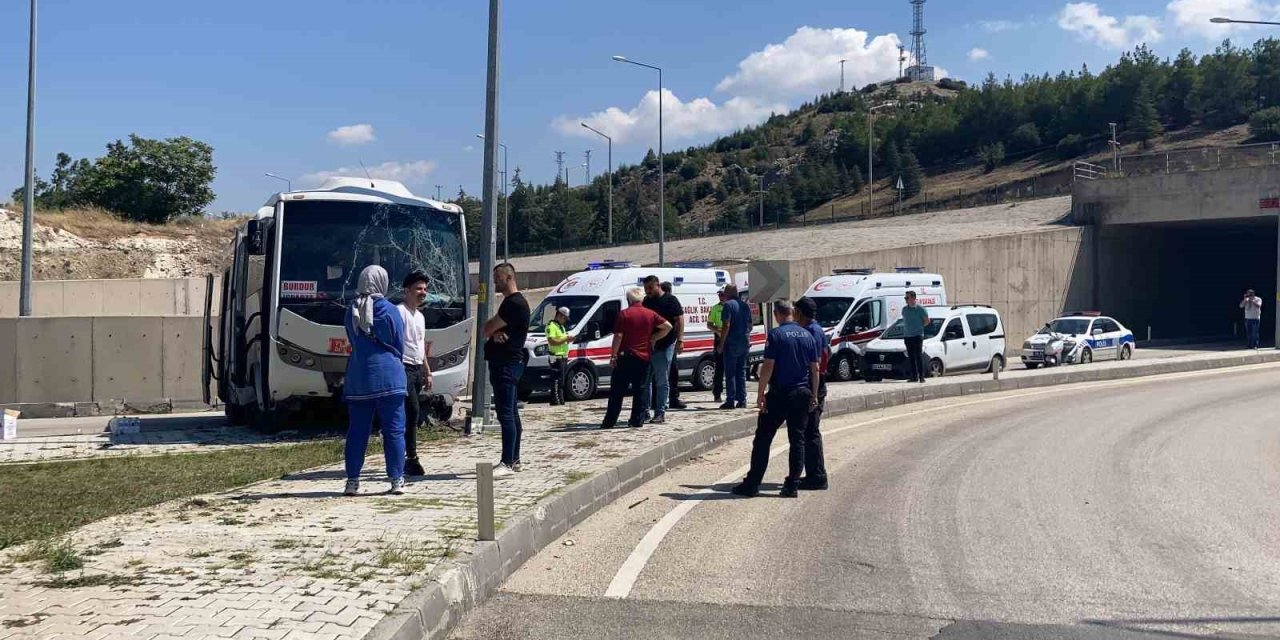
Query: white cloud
{"x": 469, "y": 148}
{"x": 804, "y": 65}
{"x": 808, "y": 63}
{"x": 681, "y": 119}
{"x": 1193, "y": 16}
{"x": 998, "y": 26}
{"x": 413, "y": 172}
{"x": 977, "y": 54}
{"x": 352, "y": 135}
{"x": 1087, "y": 20}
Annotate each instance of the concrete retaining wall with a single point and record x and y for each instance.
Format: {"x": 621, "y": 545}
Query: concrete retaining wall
{"x": 1197, "y": 196}
{"x": 131, "y": 297}
{"x": 103, "y": 360}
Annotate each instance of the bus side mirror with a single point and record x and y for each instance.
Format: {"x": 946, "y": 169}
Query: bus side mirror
{"x": 253, "y": 236}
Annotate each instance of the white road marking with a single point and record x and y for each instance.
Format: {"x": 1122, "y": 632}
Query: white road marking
{"x": 623, "y": 581}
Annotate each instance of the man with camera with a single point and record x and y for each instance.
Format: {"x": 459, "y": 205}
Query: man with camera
{"x": 1252, "y": 306}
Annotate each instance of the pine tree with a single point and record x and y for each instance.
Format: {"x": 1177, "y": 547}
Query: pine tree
{"x": 1178, "y": 105}
{"x": 1144, "y": 120}
{"x": 912, "y": 176}
{"x": 1225, "y": 95}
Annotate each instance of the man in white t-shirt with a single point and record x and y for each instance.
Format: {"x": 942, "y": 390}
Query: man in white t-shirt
{"x": 1252, "y": 306}
{"x": 416, "y": 370}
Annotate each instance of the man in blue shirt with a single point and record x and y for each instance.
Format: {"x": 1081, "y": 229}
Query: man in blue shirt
{"x": 788, "y": 393}
{"x": 815, "y": 467}
{"x": 735, "y": 346}
{"x": 914, "y": 319}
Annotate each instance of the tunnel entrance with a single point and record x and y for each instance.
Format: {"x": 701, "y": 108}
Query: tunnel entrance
{"x": 1185, "y": 280}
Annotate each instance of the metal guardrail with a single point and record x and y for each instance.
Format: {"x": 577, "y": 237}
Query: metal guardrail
{"x": 1189, "y": 160}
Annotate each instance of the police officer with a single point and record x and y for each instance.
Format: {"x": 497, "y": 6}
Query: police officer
{"x": 715, "y": 322}
{"x": 788, "y": 393}
{"x": 558, "y": 352}
{"x": 815, "y": 467}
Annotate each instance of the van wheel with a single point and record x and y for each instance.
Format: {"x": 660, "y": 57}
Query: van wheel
{"x": 1126, "y": 352}
{"x": 843, "y": 369}
{"x": 580, "y": 384}
{"x": 704, "y": 374}
{"x": 997, "y": 364}
{"x": 936, "y": 368}
{"x": 1086, "y": 356}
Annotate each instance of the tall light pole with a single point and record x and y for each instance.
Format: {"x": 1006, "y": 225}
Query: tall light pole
{"x": 438, "y": 194}
{"x": 871, "y": 147}
{"x": 506, "y": 205}
{"x": 662, "y": 174}
{"x": 287, "y": 182}
{"x": 1234, "y": 21}
{"x": 610, "y": 141}
{"x": 1115, "y": 149}
{"x": 29, "y": 180}
{"x": 842, "y": 61}
{"x": 488, "y": 218}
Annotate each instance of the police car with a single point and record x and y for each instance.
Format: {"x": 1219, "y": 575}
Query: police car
{"x": 1078, "y": 338}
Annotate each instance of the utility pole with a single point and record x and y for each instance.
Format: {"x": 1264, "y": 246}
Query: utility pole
{"x": 610, "y": 141}
{"x": 488, "y": 223}
{"x": 842, "y": 61}
{"x": 439, "y": 196}
{"x": 1115, "y": 149}
{"x": 588, "y": 166}
{"x": 560, "y": 167}
{"x": 28, "y": 199}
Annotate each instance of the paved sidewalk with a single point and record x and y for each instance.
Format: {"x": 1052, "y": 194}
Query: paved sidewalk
{"x": 291, "y": 558}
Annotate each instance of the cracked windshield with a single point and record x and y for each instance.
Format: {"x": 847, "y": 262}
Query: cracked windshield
{"x": 327, "y": 244}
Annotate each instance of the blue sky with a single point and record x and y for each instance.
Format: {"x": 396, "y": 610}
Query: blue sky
{"x": 309, "y": 88}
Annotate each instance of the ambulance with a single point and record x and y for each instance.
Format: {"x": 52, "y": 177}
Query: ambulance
{"x": 595, "y": 297}
{"x": 855, "y": 306}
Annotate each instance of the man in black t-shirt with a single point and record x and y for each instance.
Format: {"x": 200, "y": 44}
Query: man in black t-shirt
{"x": 504, "y": 351}
{"x": 664, "y": 351}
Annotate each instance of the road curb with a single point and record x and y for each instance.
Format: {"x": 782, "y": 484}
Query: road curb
{"x": 432, "y": 611}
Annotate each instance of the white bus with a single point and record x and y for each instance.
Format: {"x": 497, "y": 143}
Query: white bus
{"x": 294, "y": 268}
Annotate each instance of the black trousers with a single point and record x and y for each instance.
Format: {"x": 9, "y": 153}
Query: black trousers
{"x": 717, "y": 387}
{"x": 915, "y": 352}
{"x": 781, "y": 405}
{"x": 557, "y": 379}
{"x": 815, "y": 466}
{"x": 628, "y": 377}
{"x": 673, "y": 380}
{"x": 412, "y": 409}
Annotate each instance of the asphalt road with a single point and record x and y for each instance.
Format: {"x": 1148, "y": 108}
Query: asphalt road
{"x": 1134, "y": 509}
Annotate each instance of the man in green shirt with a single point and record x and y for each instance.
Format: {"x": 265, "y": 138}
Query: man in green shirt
{"x": 558, "y": 351}
{"x": 914, "y": 319}
{"x": 715, "y": 321}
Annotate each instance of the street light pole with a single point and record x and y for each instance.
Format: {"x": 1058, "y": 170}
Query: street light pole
{"x": 871, "y": 146}
{"x": 610, "y": 141}
{"x": 287, "y": 182}
{"x": 662, "y": 174}
{"x": 1233, "y": 21}
{"x": 29, "y": 180}
{"x": 760, "y": 192}
{"x": 842, "y": 61}
{"x": 506, "y": 206}
{"x": 1115, "y": 149}
{"x": 488, "y": 227}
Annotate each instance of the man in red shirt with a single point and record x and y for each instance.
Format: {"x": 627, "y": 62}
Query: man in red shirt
{"x": 634, "y": 333}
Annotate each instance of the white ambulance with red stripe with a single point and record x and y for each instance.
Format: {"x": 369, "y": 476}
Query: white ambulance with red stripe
{"x": 594, "y": 298}
{"x": 856, "y": 305}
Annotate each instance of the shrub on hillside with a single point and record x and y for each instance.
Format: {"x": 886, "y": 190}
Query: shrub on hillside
{"x": 1071, "y": 146}
{"x": 1026, "y": 137}
{"x": 952, "y": 85}
{"x": 991, "y": 155}
{"x": 1264, "y": 125}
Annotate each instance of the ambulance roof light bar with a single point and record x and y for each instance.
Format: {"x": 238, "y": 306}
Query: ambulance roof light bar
{"x": 909, "y": 269}
{"x": 856, "y": 271}
{"x": 693, "y": 264}
{"x": 609, "y": 264}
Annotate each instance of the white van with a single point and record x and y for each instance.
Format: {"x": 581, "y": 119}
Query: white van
{"x": 855, "y": 306}
{"x": 967, "y": 337}
{"x": 594, "y": 298}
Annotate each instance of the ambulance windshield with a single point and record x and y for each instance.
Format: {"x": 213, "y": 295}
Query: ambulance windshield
{"x": 546, "y": 312}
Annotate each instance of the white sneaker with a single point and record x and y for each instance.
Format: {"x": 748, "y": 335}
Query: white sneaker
{"x": 397, "y": 486}
{"x": 353, "y": 488}
{"x": 502, "y": 471}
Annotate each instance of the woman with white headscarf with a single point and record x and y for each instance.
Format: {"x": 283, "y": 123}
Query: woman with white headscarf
{"x": 375, "y": 380}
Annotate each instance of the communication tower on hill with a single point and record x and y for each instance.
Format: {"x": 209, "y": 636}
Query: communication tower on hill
{"x": 919, "y": 71}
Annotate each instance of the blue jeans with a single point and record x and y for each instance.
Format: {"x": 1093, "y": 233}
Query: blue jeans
{"x": 503, "y": 377}
{"x": 1251, "y": 330}
{"x": 735, "y": 377}
{"x": 660, "y": 378}
{"x": 390, "y": 412}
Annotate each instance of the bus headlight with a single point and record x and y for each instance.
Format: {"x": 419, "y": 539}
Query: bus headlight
{"x": 449, "y": 359}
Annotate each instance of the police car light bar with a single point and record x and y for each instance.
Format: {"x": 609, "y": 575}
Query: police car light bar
{"x": 609, "y": 264}
{"x": 693, "y": 264}
{"x": 857, "y": 271}
{"x": 1090, "y": 314}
